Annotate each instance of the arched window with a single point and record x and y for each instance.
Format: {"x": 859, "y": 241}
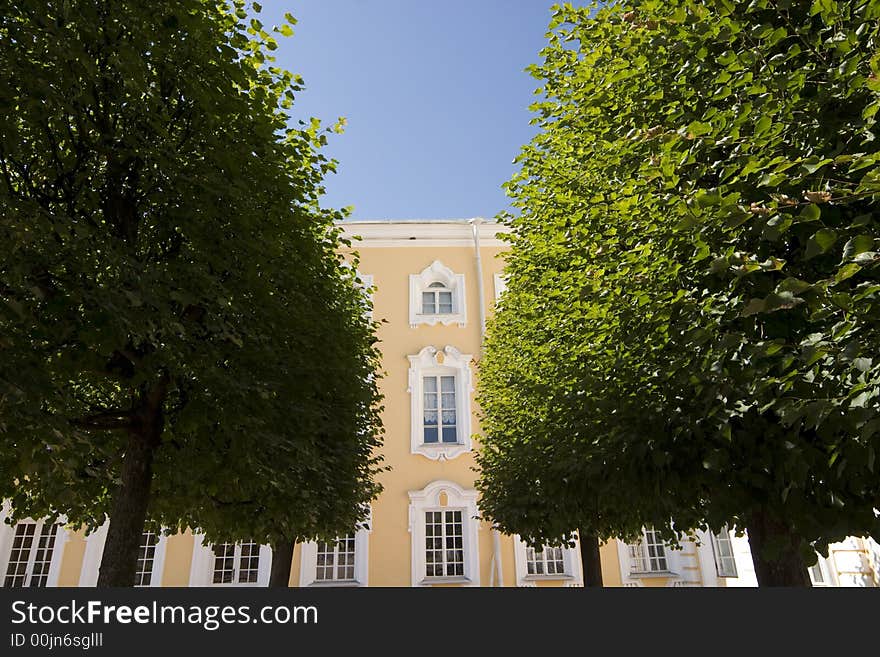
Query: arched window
{"x": 436, "y": 296}
{"x": 437, "y": 300}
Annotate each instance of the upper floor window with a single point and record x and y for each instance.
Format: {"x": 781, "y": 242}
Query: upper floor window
{"x": 439, "y": 412}
{"x": 444, "y": 525}
{"x": 436, "y": 295}
{"x": 31, "y": 554}
{"x": 440, "y": 387}
{"x": 500, "y": 281}
{"x": 437, "y": 300}
{"x": 722, "y": 548}
{"x": 648, "y": 554}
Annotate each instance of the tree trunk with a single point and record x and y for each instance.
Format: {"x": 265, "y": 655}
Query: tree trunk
{"x": 769, "y": 535}
{"x": 282, "y": 557}
{"x": 592, "y": 563}
{"x": 130, "y": 502}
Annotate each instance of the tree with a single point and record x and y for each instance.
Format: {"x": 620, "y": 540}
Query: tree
{"x": 179, "y": 339}
{"x": 688, "y": 339}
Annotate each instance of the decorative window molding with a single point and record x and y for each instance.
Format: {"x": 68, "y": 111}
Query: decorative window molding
{"x": 722, "y": 550}
{"x": 650, "y": 556}
{"x": 30, "y": 552}
{"x": 239, "y": 564}
{"x": 367, "y": 288}
{"x": 149, "y": 571}
{"x": 820, "y": 573}
{"x": 438, "y": 379}
{"x": 444, "y": 525}
{"x": 436, "y": 296}
{"x": 364, "y": 282}
{"x": 344, "y": 564}
{"x": 559, "y": 563}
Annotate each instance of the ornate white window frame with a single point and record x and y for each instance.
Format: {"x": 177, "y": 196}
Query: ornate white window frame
{"x": 368, "y": 290}
{"x": 201, "y": 571}
{"x": 572, "y": 575}
{"x": 450, "y": 361}
{"x": 673, "y": 563}
{"x": 821, "y": 574}
{"x": 364, "y": 283}
{"x": 723, "y": 554}
{"x": 308, "y": 569}
{"x": 7, "y": 535}
{"x": 445, "y": 496}
{"x": 437, "y": 272}
{"x": 88, "y": 575}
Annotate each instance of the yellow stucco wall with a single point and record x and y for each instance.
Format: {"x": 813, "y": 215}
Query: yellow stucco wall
{"x": 390, "y": 543}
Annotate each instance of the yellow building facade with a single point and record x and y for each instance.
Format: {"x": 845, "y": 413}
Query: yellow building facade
{"x": 433, "y": 284}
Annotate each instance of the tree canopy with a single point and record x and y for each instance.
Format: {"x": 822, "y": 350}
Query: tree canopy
{"x": 690, "y": 330}
{"x": 179, "y": 337}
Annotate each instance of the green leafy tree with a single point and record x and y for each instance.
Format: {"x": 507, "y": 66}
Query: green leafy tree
{"x": 690, "y": 332}
{"x": 179, "y": 339}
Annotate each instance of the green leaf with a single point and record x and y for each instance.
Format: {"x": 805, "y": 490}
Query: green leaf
{"x": 867, "y": 258}
{"x": 846, "y": 272}
{"x": 708, "y": 198}
{"x": 811, "y": 212}
{"x": 857, "y": 245}
{"x": 763, "y": 125}
{"x": 793, "y": 285}
{"x": 820, "y": 242}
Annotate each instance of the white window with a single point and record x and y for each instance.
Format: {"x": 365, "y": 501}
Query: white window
{"x": 438, "y": 409}
{"x": 343, "y": 562}
{"x": 440, "y": 388}
{"x": 33, "y": 554}
{"x": 236, "y": 563}
{"x": 552, "y": 563}
{"x": 146, "y": 559}
{"x": 230, "y": 564}
{"x": 150, "y": 563}
{"x": 444, "y": 525}
{"x": 366, "y": 286}
{"x": 546, "y": 561}
{"x": 820, "y": 574}
{"x": 444, "y": 543}
{"x": 437, "y": 300}
{"x": 648, "y": 555}
{"x": 436, "y": 295}
{"x": 722, "y": 548}
{"x": 335, "y": 560}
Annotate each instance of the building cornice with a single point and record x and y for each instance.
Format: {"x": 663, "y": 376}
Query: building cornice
{"x": 423, "y": 232}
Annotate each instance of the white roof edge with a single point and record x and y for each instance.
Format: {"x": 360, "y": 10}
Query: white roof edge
{"x": 418, "y": 221}
{"x": 434, "y": 232}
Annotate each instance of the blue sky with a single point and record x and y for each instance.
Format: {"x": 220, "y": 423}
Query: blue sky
{"x": 434, "y": 93}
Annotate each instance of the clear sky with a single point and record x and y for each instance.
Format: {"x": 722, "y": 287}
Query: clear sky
{"x": 435, "y": 95}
